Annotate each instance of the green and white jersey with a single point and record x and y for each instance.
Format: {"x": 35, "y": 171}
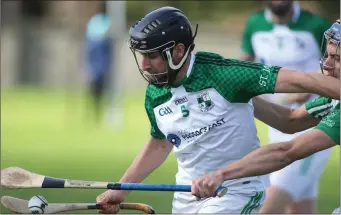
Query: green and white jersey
{"x": 209, "y": 116}
{"x": 295, "y": 45}
{"x": 330, "y": 124}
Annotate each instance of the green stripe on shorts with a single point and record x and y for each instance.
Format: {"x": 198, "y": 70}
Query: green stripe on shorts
{"x": 253, "y": 203}
{"x": 256, "y": 203}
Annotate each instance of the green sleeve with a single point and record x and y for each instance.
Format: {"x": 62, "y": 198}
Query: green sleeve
{"x": 155, "y": 131}
{"x": 246, "y": 80}
{"x": 315, "y": 102}
{"x": 319, "y": 107}
{"x": 246, "y": 38}
{"x": 331, "y": 125}
{"x": 237, "y": 81}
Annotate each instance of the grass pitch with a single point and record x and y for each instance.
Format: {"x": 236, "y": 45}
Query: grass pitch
{"x": 51, "y": 133}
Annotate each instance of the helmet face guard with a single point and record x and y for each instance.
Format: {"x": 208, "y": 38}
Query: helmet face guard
{"x": 167, "y": 76}
{"x": 160, "y": 31}
{"x": 331, "y": 36}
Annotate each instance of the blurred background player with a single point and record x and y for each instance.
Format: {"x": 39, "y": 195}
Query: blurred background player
{"x": 283, "y": 34}
{"x": 99, "y": 57}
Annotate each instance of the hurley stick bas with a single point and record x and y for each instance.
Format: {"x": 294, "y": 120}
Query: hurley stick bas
{"x": 16, "y": 177}
{"x": 20, "y": 206}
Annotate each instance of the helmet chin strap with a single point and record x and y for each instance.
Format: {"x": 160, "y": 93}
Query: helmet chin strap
{"x": 179, "y": 65}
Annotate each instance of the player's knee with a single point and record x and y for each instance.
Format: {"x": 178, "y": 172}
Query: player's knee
{"x": 302, "y": 207}
{"x": 276, "y": 201}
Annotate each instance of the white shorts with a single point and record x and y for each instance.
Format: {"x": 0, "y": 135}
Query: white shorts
{"x": 299, "y": 179}
{"x": 231, "y": 203}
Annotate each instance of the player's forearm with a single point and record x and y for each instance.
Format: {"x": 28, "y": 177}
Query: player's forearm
{"x": 274, "y": 115}
{"x": 300, "y": 120}
{"x": 289, "y": 81}
{"x": 267, "y": 159}
{"x": 152, "y": 156}
{"x": 273, "y": 157}
{"x": 298, "y": 97}
{"x": 282, "y": 118}
{"x": 322, "y": 85}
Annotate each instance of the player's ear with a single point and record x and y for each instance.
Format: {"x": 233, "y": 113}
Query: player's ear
{"x": 179, "y": 51}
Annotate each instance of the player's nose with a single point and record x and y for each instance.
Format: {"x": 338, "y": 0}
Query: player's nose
{"x": 145, "y": 63}
{"x": 328, "y": 65}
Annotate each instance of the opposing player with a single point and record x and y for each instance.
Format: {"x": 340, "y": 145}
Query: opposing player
{"x": 286, "y": 35}
{"x": 199, "y": 105}
{"x": 277, "y": 156}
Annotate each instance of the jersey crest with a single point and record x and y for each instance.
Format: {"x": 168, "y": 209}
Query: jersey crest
{"x": 204, "y": 101}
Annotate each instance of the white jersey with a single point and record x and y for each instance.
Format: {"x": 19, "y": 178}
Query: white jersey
{"x": 295, "y": 45}
{"x": 209, "y": 117}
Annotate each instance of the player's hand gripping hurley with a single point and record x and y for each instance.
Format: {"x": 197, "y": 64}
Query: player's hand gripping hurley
{"x": 15, "y": 177}
{"x": 20, "y": 206}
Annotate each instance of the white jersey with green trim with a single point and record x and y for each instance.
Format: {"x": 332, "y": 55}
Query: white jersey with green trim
{"x": 294, "y": 45}
{"x": 209, "y": 117}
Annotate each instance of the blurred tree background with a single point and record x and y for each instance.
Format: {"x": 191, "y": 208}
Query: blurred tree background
{"x": 34, "y": 32}
{"x": 330, "y": 8}
{"x": 219, "y": 10}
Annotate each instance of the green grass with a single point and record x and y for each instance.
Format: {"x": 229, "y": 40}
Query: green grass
{"x": 48, "y": 132}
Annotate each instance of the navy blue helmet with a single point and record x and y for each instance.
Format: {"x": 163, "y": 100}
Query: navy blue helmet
{"x": 159, "y": 31}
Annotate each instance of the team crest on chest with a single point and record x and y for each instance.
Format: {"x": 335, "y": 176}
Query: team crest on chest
{"x": 204, "y": 101}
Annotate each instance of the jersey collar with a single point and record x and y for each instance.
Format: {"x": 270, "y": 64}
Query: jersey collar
{"x": 295, "y": 17}
{"x": 189, "y": 70}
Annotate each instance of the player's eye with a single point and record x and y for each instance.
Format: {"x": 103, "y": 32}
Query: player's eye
{"x": 153, "y": 55}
